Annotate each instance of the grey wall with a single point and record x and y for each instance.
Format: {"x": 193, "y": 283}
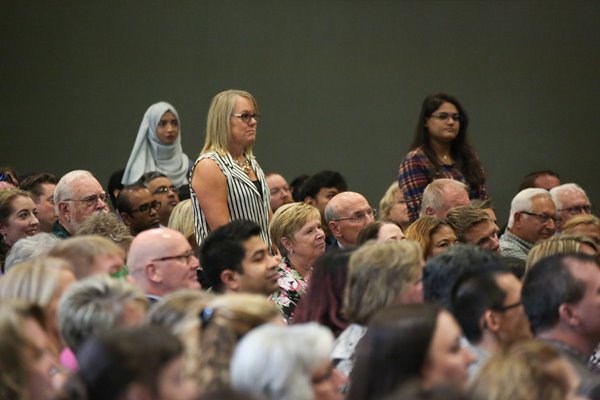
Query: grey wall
{"x": 339, "y": 82}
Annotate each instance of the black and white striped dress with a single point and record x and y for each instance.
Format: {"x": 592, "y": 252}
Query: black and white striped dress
{"x": 244, "y": 201}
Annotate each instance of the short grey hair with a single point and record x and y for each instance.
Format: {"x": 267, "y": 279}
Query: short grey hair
{"x": 555, "y": 193}
{"x": 30, "y": 247}
{"x": 330, "y": 213}
{"x": 433, "y": 195}
{"x": 64, "y": 187}
{"x": 277, "y": 362}
{"x": 523, "y": 202}
{"x": 92, "y": 306}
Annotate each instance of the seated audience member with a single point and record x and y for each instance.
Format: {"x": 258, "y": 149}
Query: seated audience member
{"x": 41, "y": 187}
{"x": 487, "y": 305}
{"x": 234, "y": 258}
{"x": 441, "y": 271}
{"x": 144, "y": 362}
{"x": 108, "y": 226}
{"x": 545, "y": 179}
{"x": 318, "y": 189}
{"x": 584, "y": 225}
{"x": 77, "y": 196}
{"x": 161, "y": 261}
{"x": 28, "y": 369}
{"x": 138, "y": 208}
{"x": 284, "y": 363}
{"x": 17, "y": 220}
{"x": 163, "y": 191}
{"x": 346, "y": 214}
{"x": 295, "y": 186}
{"x": 29, "y": 248}
{"x": 279, "y": 189}
{"x": 115, "y": 186}
{"x": 532, "y": 218}
{"x": 486, "y": 205}
{"x": 296, "y": 231}
{"x": 393, "y": 208}
{"x": 179, "y": 312}
{"x": 380, "y": 274}
{"x": 90, "y": 255}
{"x": 570, "y": 200}
{"x": 322, "y": 302}
{"x": 224, "y": 322}
{"x": 94, "y": 305}
{"x": 380, "y": 230}
{"x": 474, "y": 226}
{"x": 8, "y": 178}
{"x": 409, "y": 342}
{"x": 433, "y": 235}
{"x": 441, "y": 195}
{"x": 182, "y": 220}
{"x": 560, "y": 296}
{"x": 41, "y": 282}
{"x": 560, "y": 245}
{"x": 529, "y": 370}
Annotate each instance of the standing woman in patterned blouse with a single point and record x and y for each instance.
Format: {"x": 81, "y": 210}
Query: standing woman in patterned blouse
{"x": 226, "y": 182}
{"x": 440, "y": 150}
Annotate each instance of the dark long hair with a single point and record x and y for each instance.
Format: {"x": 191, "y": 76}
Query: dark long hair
{"x": 394, "y": 349}
{"x": 322, "y": 302}
{"x": 460, "y": 149}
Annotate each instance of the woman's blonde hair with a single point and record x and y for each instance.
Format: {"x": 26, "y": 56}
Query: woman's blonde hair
{"x": 182, "y": 218}
{"x": 387, "y": 201}
{"x": 378, "y": 272}
{"x": 224, "y": 321}
{"x": 570, "y": 227}
{"x": 524, "y": 371}
{"x": 288, "y": 219}
{"x": 218, "y": 126}
{"x": 422, "y": 231}
{"x": 557, "y": 245}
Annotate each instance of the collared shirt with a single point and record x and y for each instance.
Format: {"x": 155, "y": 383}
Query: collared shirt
{"x": 60, "y": 231}
{"x": 344, "y": 348}
{"x": 513, "y": 246}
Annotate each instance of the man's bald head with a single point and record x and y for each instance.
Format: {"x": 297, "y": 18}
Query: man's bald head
{"x": 346, "y": 214}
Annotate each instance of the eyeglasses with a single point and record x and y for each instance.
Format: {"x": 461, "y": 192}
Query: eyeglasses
{"x": 7, "y": 178}
{"x": 246, "y": 117}
{"x": 508, "y": 307}
{"x": 443, "y": 116}
{"x": 359, "y": 216}
{"x": 90, "y": 200}
{"x": 155, "y": 205}
{"x": 542, "y": 218}
{"x": 186, "y": 257}
{"x": 165, "y": 189}
{"x": 578, "y": 210}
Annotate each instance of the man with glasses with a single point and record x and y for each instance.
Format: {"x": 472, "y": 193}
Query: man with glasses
{"x": 161, "y": 261}
{"x": 346, "y": 214}
{"x": 163, "y": 191}
{"x": 532, "y": 218}
{"x": 138, "y": 208}
{"x": 78, "y": 195}
{"x": 570, "y": 200}
{"x": 487, "y": 305}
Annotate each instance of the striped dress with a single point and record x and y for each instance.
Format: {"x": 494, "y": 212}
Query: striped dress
{"x": 244, "y": 201}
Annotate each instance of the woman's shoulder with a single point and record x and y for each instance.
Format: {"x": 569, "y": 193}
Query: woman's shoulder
{"x": 416, "y": 153}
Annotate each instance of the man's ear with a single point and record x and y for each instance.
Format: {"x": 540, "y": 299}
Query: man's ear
{"x": 517, "y": 218}
{"x": 334, "y": 228}
{"x": 126, "y": 218}
{"x": 63, "y": 208}
{"x": 429, "y": 211}
{"x": 309, "y": 200}
{"x": 491, "y": 321}
{"x": 152, "y": 273}
{"x": 230, "y": 279}
{"x": 568, "y": 316}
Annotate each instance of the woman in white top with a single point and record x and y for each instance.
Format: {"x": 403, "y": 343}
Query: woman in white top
{"x": 226, "y": 182}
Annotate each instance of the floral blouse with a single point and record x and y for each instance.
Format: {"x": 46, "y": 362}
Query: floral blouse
{"x": 292, "y": 287}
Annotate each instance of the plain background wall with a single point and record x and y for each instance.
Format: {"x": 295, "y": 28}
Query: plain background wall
{"x": 339, "y": 83}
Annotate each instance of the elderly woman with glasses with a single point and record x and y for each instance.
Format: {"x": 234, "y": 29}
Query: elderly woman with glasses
{"x": 297, "y": 232}
{"x": 227, "y": 183}
{"x": 440, "y": 149}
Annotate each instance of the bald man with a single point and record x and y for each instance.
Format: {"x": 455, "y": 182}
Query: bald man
{"x": 346, "y": 214}
{"x": 161, "y": 261}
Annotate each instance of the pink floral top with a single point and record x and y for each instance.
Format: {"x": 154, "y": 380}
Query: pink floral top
{"x": 292, "y": 287}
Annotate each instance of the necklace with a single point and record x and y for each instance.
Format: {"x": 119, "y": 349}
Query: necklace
{"x": 244, "y": 165}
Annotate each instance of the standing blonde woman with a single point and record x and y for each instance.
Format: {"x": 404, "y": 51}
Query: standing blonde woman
{"x": 227, "y": 183}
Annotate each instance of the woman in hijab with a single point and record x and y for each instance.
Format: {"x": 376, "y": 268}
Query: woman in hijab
{"x": 158, "y": 147}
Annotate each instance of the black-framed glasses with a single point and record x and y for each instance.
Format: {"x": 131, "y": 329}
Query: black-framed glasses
{"x": 575, "y": 210}
{"x": 7, "y": 178}
{"x": 186, "y": 257}
{"x": 444, "y": 116}
{"x": 246, "y": 117}
{"x": 91, "y": 200}
{"x": 165, "y": 189}
{"x": 508, "y": 307}
{"x": 145, "y": 208}
{"x": 359, "y": 215}
{"x": 541, "y": 217}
